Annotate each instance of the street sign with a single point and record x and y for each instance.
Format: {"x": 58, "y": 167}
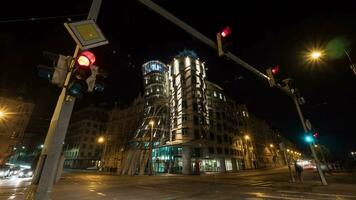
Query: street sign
{"x": 308, "y": 125}
{"x": 86, "y": 34}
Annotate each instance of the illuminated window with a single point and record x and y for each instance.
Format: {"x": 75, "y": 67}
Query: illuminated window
{"x": 220, "y": 96}
{"x": 215, "y": 94}
{"x": 187, "y": 61}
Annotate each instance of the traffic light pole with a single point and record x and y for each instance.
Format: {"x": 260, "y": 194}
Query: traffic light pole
{"x": 311, "y": 144}
{"x": 47, "y": 166}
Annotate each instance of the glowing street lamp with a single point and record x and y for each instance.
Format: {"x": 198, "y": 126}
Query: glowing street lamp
{"x": 271, "y": 145}
{"x": 247, "y": 137}
{"x": 101, "y": 139}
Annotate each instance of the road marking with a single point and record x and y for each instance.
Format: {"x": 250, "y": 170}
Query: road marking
{"x": 12, "y": 197}
{"x": 101, "y": 194}
{"x": 91, "y": 190}
{"x": 320, "y": 194}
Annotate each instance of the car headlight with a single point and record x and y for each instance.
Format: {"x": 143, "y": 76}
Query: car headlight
{"x": 30, "y": 173}
{"x": 2, "y": 173}
{"x": 21, "y": 173}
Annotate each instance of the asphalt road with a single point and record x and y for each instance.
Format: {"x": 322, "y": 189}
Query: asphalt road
{"x": 249, "y": 185}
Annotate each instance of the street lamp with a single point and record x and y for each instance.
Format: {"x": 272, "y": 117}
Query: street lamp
{"x": 247, "y": 137}
{"x": 101, "y": 140}
{"x": 315, "y": 55}
{"x": 151, "y": 123}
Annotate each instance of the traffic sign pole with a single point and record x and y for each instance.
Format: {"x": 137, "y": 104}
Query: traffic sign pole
{"x": 47, "y": 167}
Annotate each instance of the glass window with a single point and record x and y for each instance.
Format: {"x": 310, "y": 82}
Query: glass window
{"x": 211, "y": 150}
{"x": 184, "y": 131}
{"x": 227, "y": 151}
{"x": 212, "y": 136}
{"x": 196, "y": 134}
{"x": 219, "y": 150}
{"x": 219, "y": 139}
{"x": 225, "y": 138}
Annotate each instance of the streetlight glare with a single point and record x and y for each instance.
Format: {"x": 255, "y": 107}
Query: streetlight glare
{"x": 247, "y": 137}
{"x": 315, "y": 55}
{"x": 101, "y": 139}
{"x": 152, "y": 123}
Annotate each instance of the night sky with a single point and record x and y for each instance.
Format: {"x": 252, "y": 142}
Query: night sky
{"x": 264, "y": 33}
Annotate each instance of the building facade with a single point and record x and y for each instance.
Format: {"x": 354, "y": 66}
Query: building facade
{"x": 14, "y": 117}
{"x": 121, "y": 127}
{"x": 206, "y": 131}
{"x": 81, "y": 149}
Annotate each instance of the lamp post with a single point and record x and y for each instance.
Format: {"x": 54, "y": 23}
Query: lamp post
{"x": 102, "y": 140}
{"x": 150, "y": 167}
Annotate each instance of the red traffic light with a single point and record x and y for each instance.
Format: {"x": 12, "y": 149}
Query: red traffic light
{"x": 315, "y": 135}
{"x": 275, "y": 70}
{"x": 226, "y": 32}
{"x": 86, "y": 58}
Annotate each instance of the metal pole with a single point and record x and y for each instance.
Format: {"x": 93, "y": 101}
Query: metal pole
{"x": 150, "y": 158}
{"x": 321, "y": 174}
{"x": 47, "y": 166}
{"x": 289, "y": 168}
{"x": 195, "y": 33}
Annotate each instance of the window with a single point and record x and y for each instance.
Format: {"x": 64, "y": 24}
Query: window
{"x": 219, "y": 150}
{"x": 218, "y": 116}
{"x": 226, "y": 151}
{"x": 211, "y": 150}
{"x": 82, "y": 154}
{"x": 89, "y": 153}
{"x": 223, "y": 115}
{"x": 184, "y": 117}
{"x": 204, "y": 136}
{"x": 219, "y": 139}
{"x": 218, "y": 126}
{"x": 196, "y": 120}
{"x": 173, "y": 135}
{"x": 195, "y": 106}
{"x": 184, "y": 104}
{"x": 196, "y": 134}
{"x": 212, "y": 136}
{"x": 215, "y": 94}
{"x": 225, "y": 138}
{"x": 184, "y": 131}
{"x": 225, "y": 127}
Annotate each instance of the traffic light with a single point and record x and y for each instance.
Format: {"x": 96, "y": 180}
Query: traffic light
{"x": 82, "y": 71}
{"x": 223, "y": 40}
{"x": 308, "y": 138}
{"x": 54, "y": 67}
{"x": 315, "y": 135}
{"x": 272, "y": 73}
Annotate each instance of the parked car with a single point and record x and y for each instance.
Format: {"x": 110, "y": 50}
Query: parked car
{"x": 25, "y": 173}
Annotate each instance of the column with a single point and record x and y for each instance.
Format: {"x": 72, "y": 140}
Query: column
{"x": 222, "y": 165}
{"x": 234, "y": 165}
{"x": 186, "y": 158}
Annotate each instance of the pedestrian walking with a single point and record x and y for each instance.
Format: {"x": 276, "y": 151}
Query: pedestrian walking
{"x": 299, "y": 171}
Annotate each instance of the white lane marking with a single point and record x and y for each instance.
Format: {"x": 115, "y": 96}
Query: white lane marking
{"x": 101, "y": 194}
{"x": 91, "y": 190}
{"x": 318, "y": 194}
{"x": 12, "y": 197}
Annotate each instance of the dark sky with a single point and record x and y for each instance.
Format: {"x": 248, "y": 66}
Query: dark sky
{"x": 265, "y": 34}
